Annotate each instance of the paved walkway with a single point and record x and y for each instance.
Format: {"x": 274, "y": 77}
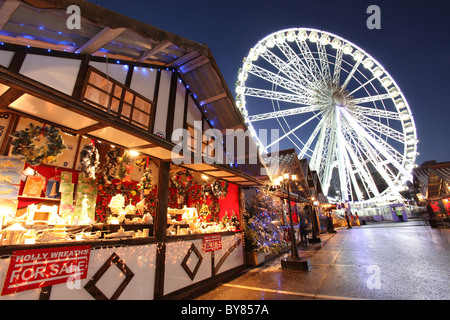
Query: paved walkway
{"x": 379, "y": 261}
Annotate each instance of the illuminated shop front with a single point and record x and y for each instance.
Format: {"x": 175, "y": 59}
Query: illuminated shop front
{"x": 88, "y": 172}
{"x": 432, "y": 181}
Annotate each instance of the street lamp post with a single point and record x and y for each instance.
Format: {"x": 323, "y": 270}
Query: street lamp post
{"x": 313, "y": 218}
{"x": 295, "y": 262}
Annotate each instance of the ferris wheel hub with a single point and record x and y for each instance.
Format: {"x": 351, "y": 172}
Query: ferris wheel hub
{"x": 339, "y": 99}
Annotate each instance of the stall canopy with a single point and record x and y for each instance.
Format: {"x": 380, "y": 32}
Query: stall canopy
{"x": 308, "y": 187}
{"x": 108, "y": 35}
{"x": 433, "y": 179}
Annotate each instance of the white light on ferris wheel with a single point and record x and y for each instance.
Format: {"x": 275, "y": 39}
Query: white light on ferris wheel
{"x": 302, "y": 35}
{"x": 313, "y": 36}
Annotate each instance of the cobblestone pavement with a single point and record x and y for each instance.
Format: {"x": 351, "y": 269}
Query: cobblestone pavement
{"x": 387, "y": 261}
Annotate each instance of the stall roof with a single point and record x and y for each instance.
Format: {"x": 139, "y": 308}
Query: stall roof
{"x": 43, "y": 24}
{"x": 290, "y": 163}
{"x": 433, "y": 179}
{"x": 104, "y": 33}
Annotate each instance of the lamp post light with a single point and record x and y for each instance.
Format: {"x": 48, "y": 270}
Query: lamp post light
{"x": 295, "y": 262}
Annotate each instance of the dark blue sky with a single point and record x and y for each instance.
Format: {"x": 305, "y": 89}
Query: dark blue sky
{"x": 413, "y": 43}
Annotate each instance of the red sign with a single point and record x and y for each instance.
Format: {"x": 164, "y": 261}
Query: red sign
{"x": 32, "y": 269}
{"x": 212, "y": 242}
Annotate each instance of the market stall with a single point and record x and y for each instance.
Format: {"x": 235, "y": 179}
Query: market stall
{"x": 96, "y": 202}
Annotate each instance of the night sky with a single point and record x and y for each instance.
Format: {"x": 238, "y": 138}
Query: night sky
{"x": 413, "y": 43}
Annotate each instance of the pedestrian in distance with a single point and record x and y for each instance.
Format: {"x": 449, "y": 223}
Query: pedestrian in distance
{"x": 348, "y": 220}
{"x": 400, "y": 215}
{"x": 304, "y": 230}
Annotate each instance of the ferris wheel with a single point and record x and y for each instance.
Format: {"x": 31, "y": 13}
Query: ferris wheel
{"x": 336, "y": 105}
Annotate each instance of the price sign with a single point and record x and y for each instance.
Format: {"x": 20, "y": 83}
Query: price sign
{"x": 212, "y": 242}
{"x": 32, "y": 269}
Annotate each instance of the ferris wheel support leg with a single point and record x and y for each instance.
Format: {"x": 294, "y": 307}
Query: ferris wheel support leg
{"x": 362, "y": 169}
{"x": 340, "y": 156}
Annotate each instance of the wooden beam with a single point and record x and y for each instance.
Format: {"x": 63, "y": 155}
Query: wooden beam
{"x": 94, "y": 127}
{"x": 99, "y": 40}
{"x": 11, "y": 95}
{"x": 193, "y": 64}
{"x": 153, "y": 51}
{"x": 213, "y": 99}
{"x": 183, "y": 59}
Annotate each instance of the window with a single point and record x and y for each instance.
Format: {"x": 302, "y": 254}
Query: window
{"x": 113, "y": 97}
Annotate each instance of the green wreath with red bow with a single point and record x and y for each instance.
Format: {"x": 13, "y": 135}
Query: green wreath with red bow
{"x": 24, "y": 144}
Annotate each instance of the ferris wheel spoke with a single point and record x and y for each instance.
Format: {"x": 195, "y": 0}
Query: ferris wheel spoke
{"x": 279, "y": 96}
{"x": 297, "y": 74}
{"x": 357, "y": 109}
{"x": 377, "y": 146}
{"x": 311, "y": 61}
{"x": 351, "y": 174}
{"x": 317, "y": 157}
{"x": 379, "y": 127}
{"x": 283, "y": 113}
{"x": 338, "y": 66}
{"x": 324, "y": 64}
{"x": 295, "y": 129}
{"x": 373, "y": 156}
{"x": 356, "y": 101}
{"x": 301, "y": 67}
{"x": 392, "y": 151}
{"x": 350, "y": 75}
{"x": 312, "y": 137}
{"x": 363, "y": 85}
{"x": 329, "y": 156}
{"x": 340, "y": 156}
{"x": 277, "y": 79}
{"x": 357, "y": 154}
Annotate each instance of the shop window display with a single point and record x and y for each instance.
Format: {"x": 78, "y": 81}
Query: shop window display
{"x": 201, "y": 204}
{"x": 110, "y": 193}
{"x": 113, "y": 195}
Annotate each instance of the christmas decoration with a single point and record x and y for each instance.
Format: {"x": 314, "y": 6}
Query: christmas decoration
{"x": 129, "y": 189}
{"x": 24, "y": 144}
{"x": 110, "y": 167}
{"x": 146, "y": 183}
{"x": 261, "y": 222}
{"x": 218, "y": 190}
{"x": 124, "y": 169}
{"x": 182, "y": 187}
{"x": 89, "y": 159}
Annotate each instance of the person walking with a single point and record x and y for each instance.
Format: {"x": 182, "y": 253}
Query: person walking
{"x": 303, "y": 229}
{"x": 348, "y": 220}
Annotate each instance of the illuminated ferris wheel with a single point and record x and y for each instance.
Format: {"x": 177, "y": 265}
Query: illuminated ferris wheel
{"x": 336, "y": 105}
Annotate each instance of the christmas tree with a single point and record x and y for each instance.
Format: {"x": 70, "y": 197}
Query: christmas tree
{"x": 262, "y": 226}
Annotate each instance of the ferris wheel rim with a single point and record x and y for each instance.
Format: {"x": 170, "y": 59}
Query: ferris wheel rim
{"x": 409, "y": 139}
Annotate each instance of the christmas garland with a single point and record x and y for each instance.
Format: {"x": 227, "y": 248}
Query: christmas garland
{"x": 89, "y": 159}
{"x": 24, "y": 144}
